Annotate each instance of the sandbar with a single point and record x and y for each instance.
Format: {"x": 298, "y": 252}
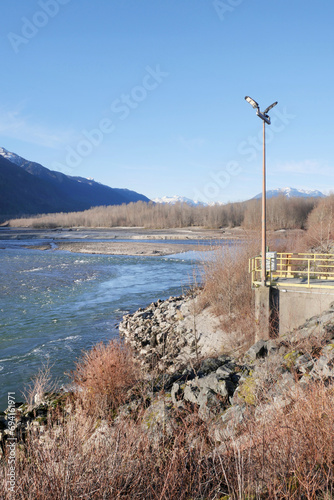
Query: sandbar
{"x": 130, "y": 248}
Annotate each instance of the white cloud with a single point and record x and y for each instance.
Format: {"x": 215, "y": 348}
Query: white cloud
{"x": 304, "y": 167}
{"x": 15, "y": 125}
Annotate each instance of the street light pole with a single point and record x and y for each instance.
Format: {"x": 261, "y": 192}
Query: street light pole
{"x": 266, "y": 119}
{"x": 264, "y": 212}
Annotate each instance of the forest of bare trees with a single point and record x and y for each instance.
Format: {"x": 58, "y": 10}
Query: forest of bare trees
{"x": 282, "y": 213}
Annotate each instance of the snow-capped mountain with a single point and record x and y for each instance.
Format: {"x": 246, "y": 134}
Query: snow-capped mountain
{"x": 171, "y": 200}
{"x": 12, "y": 157}
{"x": 291, "y": 193}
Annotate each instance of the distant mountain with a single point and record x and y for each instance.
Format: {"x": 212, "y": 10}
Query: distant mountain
{"x": 171, "y": 200}
{"x": 29, "y": 188}
{"x": 291, "y": 193}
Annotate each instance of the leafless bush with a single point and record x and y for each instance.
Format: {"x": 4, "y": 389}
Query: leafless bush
{"x": 104, "y": 374}
{"x": 41, "y": 384}
{"x": 289, "y": 241}
{"x": 84, "y": 459}
{"x": 225, "y": 283}
{"x": 289, "y": 452}
{"x": 320, "y": 225}
{"x": 286, "y": 452}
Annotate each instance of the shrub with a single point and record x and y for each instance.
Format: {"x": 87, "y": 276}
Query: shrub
{"x": 226, "y": 286}
{"x": 104, "y": 375}
{"x": 81, "y": 459}
{"x": 42, "y": 383}
{"x": 288, "y": 450}
{"x": 320, "y": 225}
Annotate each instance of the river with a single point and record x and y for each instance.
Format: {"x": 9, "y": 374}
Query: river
{"x": 55, "y": 304}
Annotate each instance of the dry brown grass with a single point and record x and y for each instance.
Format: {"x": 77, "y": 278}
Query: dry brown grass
{"x": 226, "y": 283}
{"x": 290, "y": 241}
{"x": 285, "y": 453}
{"x": 282, "y": 451}
{"x": 289, "y": 452}
{"x": 103, "y": 376}
{"x": 41, "y": 384}
{"x": 83, "y": 460}
{"x": 227, "y": 289}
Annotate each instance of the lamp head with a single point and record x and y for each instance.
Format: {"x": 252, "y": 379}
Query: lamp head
{"x": 263, "y": 115}
{"x": 266, "y": 111}
{"x": 252, "y": 102}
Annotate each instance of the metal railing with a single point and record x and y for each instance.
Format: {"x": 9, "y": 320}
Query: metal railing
{"x": 311, "y": 270}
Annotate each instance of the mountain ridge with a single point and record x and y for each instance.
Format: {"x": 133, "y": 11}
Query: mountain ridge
{"x": 171, "y": 200}
{"x": 52, "y": 191}
{"x": 290, "y": 192}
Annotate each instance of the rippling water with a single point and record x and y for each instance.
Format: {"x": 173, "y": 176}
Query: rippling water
{"x": 55, "y": 304}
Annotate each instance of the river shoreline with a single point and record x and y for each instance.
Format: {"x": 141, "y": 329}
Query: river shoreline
{"x": 121, "y": 240}
{"x": 55, "y": 304}
{"x": 191, "y": 233}
{"x": 170, "y": 333}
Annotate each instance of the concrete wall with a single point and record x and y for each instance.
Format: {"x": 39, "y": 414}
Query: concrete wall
{"x": 296, "y": 306}
{"x": 280, "y": 310}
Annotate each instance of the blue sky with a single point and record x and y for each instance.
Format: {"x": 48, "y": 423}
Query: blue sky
{"x": 149, "y": 95}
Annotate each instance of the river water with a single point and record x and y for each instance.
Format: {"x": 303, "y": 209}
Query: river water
{"x": 54, "y": 304}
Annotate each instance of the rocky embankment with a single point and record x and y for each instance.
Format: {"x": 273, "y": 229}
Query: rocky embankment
{"x": 183, "y": 372}
{"x": 167, "y": 334}
{"x": 220, "y": 385}
{"x": 157, "y": 336}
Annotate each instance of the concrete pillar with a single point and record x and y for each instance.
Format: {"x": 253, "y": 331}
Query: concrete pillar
{"x": 262, "y": 312}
